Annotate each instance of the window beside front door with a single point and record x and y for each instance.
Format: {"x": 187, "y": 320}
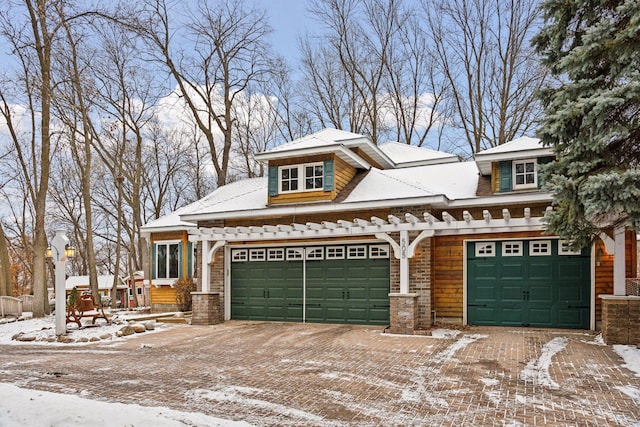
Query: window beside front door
{"x": 167, "y": 260}
{"x": 525, "y": 174}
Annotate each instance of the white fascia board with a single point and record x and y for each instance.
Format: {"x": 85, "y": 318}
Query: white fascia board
{"x": 338, "y": 149}
{"x": 503, "y": 200}
{"x": 430, "y": 162}
{"x": 372, "y": 150}
{"x": 484, "y": 160}
{"x": 150, "y": 230}
{"x": 438, "y": 200}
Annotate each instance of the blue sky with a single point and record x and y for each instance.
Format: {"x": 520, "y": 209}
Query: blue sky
{"x": 289, "y": 18}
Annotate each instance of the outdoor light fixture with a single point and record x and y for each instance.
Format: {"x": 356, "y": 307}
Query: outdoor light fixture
{"x": 69, "y": 251}
{"x": 49, "y": 252}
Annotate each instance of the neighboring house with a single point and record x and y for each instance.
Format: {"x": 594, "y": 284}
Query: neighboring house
{"x": 344, "y": 231}
{"x": 105, "y": 285}
{"x": 139, "y": 288}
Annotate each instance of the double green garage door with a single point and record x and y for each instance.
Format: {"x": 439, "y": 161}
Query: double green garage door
{"x": 323, "y": 284}
{"x": 539, "y": 283}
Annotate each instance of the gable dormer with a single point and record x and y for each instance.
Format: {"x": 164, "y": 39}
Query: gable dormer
{"x": 317, "y": 167}
{"x": 514, "y": 166}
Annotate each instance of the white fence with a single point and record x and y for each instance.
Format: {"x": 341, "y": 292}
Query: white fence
{"x": 10, "y": 306}
{"x": 27, "y": 302}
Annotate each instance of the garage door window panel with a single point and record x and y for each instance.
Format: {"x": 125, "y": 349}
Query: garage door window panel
{"x": 357, "y": 252}
{"x": 275, "y": 254}
{"x": 540, "y": 248}
{"x": 511, "y": 249}
{"x": 315, "y": 253}
{"x": 239, "y": 255}
{"x": 335, "y": 252}
{"x": 485, "y": 249}
{"x": 379, "y": 251}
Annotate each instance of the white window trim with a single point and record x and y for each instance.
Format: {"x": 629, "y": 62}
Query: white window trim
{"x": 338, "y": 252}
{"x": 275, "y": 254}
{"x": 563, "y": 251}
{"x": 383, "y": 251}
{"x": 535, "y": 174}
{"x": 167, "y": 243}
{"x": 299, "y": 254}
{"x": 257, "y": 255}
{"x": 357, "y": 248}
{"x": 314, "y": 253}
{"x": 243, "y": 255}
{"x": 478, "y": 246}
{"x": 533, "y": 242}
{"x": 517, "y": 243}
{"x": 301, "y": 178}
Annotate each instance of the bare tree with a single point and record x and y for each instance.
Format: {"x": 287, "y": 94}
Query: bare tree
{"x": 32, "y": 41}
{"x": 483, "y": 48}
{"x": 228, "y": 52}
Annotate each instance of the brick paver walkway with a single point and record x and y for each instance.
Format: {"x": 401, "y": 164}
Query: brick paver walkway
{"x": 280, "y": 374}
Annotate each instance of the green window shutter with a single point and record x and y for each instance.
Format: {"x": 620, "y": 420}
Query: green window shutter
{"x": 328, "y": 175}
{"x": 273, "y": 180}
{"x": 543, "y": 161}
{"x": 506, "y": 176}
{"x": 189, "y": 259}
{"x": 153, "y": 260}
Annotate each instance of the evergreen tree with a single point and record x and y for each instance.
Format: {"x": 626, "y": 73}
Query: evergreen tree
{"x": 592, "y": 115}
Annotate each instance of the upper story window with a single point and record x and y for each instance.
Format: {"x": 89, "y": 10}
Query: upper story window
{"x": 167, "y": 260}
{"x": 525, "y": 174}
{"x": 305, "y": 177}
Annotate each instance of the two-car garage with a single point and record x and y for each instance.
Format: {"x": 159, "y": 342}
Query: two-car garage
{"x": 344, "y": 283}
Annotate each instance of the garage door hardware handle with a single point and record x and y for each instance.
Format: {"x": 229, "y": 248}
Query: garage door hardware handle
{"x": 345, "y": 294}
{"x": 265, "y": 293}
{"x": 525, "y": 295}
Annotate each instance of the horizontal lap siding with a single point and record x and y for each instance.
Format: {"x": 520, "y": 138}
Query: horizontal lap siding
{"x": 162, "y": 295}
{"x": 343, "y": 174}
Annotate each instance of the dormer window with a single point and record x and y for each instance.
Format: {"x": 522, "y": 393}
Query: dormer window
{"x": 525, "y": 174}
{"x": 304, "y": 177}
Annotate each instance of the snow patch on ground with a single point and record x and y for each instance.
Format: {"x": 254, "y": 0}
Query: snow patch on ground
{"x": 598, "y": 340}
{"x": 537, "y": 370}
{"x": 630, "y": 391}
{"x": 249, "y": 397}
{"x": 416, "y": 389}
{"x": 631, "y": 356}
{"x": 24, "y": 407}
{"x": 43, "y": 331}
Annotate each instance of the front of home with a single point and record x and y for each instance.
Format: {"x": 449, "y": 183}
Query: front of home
{"x": 344, "y": 231}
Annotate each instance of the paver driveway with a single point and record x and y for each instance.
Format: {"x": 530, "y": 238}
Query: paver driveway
{"x": 288, "y": 374}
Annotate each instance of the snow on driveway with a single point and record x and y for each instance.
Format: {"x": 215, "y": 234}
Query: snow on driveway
{"x": 537, "y": 370}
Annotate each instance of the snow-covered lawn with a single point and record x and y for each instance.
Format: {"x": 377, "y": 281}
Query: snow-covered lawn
{"x": 21, "y": 407}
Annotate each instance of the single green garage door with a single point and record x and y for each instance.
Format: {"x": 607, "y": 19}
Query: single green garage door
{"x": 342, "y": 284}
{"x": 538, "y": 283}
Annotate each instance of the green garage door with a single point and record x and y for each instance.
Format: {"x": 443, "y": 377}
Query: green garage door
{"x": 536, "y": 283}
{"x": 344, "y": 284}
{"x": 266, "y": 290}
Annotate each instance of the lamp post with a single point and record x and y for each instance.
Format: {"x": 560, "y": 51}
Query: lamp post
{"x": 60, "y": 245}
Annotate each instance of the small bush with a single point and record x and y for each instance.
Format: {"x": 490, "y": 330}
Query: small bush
{"x": 183, "y": 288}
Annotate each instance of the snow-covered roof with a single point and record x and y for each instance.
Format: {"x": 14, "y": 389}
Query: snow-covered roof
{"x": 520, "y": 148}
{"x": 338, "y": 142}
{"x": 405, "y": 155}
{"x": 104, "y": 282}
{"x": 379, "y": 188}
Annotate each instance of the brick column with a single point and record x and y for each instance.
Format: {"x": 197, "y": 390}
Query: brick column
{"x": 206, "y": 308}
{"x": 403, "y": 313}
{"x": 620, "y": 319}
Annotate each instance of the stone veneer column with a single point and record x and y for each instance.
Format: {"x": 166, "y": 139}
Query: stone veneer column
{"x": 403, "y": 313}
{"x": 206, "y": 308}
{"x": 620, "y": 319}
